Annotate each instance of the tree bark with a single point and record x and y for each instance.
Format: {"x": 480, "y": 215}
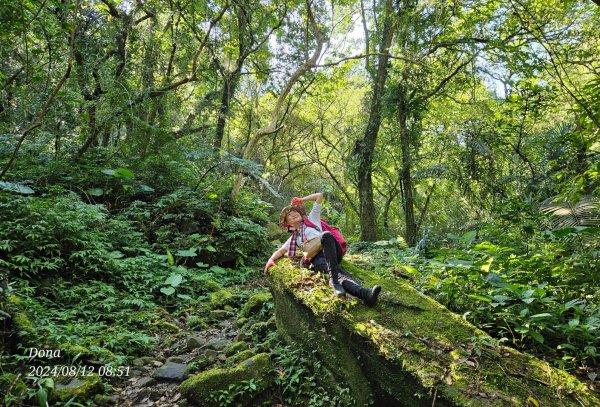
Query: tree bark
{"x": 410, "y": 234}
{"x": 365, "y": 147}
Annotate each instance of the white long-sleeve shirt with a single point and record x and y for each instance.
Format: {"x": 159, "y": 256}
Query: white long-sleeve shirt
{"x": 315, "y": 218}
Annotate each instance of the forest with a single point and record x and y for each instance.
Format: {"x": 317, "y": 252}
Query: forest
{"x": 147, "y": 148}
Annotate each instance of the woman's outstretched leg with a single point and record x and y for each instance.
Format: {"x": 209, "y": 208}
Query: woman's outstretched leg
{"x": 328, "y": 260}
{"x": 368, "y": 295}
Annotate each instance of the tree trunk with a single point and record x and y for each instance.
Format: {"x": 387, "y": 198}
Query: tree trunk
{"x": 229, "y": 86}
{"x": 365, "y": 147}
{"x": 410, "y": 234}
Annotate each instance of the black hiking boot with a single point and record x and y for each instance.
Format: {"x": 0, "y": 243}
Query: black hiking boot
{"x": 338, "y": 290}
{"x": 369, "y": 295}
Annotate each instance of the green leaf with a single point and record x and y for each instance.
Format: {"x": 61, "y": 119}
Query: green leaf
{"x": 42, "y": 397}
{"x": 533, "y": 401}
{"x": 480, "y": 297}
{"x": 170, "y": 258}
{"x": 123, "y": 173}
{"x": 186, "y": 253}
{"x": 16, "y": 187}
{"x": 537, "y": 336}
{"x": 201, "y": 265}
{"x": 543, "y": 315}
{"x": 167, "y": 290}
{"x": 210, "y": 248}
{"x": 184, "y": 297}
{"x": 115, "y": 254}
{"x": 96, "y": 192}
{"x": 174, "y": 280}
{"x": 147, "y": 188}
{"x": 468, "y": 237}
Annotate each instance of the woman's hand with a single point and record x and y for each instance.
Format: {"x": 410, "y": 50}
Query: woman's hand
{"x": 297, "y": 201}
{"x": 270, "y": 263}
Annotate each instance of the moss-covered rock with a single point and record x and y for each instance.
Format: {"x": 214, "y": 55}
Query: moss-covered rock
{"x": 239, "y": 357}
{"x": 255, "y": 304}
{"x": 219, "y": 299}
{"x": 166, "y": 326}
{"x": 81, "y": 388}
{"x": 199, "y": 388}
{"x": 235, "y": 347}
{"x": 196, "y": 322}
{"x": 21, "y": 323}
{"x": 409, "y": 350}
{"x": 212, "y": 285}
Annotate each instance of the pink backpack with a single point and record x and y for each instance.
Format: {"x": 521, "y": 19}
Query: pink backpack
{"x": 325, "y": 227}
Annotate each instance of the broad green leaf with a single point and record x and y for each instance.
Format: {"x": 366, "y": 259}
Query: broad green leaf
{"x": 123, "y": 173}
{"x": 42, "y": 397}
{"x": 480, "y": 298}
{"x": 147, "y": 188}
{"x": 210, "y": 248}
{"x": 16, "y": 187}
{"x": 186, "y": 253}
{"x": 116, "y": 254}
{"x": 167, "y": 290}
{"x": 184, "y": 297}
{"x": 174, "y": 280}
{"x": 537, "y": 336}
{"x": 96, "y": 192}
{"x": 170, "y": 258}
{"x": 201, "y": 265}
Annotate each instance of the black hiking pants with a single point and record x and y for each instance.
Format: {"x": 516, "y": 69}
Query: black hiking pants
{"x": 328, "y": 260}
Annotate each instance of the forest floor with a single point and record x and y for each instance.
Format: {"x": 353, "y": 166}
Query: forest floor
{"x": 154, "y": 380}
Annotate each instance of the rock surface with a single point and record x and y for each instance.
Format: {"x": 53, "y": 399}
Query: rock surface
{"x": 409, "y": 350}
{"x": 201, "y": 388}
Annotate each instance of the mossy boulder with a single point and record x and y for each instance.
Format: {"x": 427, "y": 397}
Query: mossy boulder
{"x": 235, "y": 347}
{"x": 212, "y": 285}
{"x": 81, "y": 388}
{"x": 239, "y": 357}
{"x": 198, "y": 389}
{"x": 409, "y": 350}
{"x": 219, "y": 299}
{"x": 21, "y": 323}
{"x": 255, "y": 303}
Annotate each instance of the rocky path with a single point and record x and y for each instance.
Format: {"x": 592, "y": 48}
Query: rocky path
{"x": 154, "y": 380}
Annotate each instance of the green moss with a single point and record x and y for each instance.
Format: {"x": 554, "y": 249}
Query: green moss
{"x": 81, "y": 352}
{"x": 235, "y": 347}
{"x": 82, "y": 388}
{"x": 196, "y": 322}
{"x": 199, "y": 388}
{"x": 212, "y": 285}
{"x": 410, "y": 344}
{"x": 166, "y": 326}
{"x": 255, "y": 304}
{"x": 239, "y": 357}
{"x": 241, "y": 321}
{"x": 219, "y": 299}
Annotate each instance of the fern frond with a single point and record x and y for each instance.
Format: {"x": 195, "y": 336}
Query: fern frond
{"x": 566, "y": 214}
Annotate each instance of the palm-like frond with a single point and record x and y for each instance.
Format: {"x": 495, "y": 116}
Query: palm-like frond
{"x": 565, "y": 214}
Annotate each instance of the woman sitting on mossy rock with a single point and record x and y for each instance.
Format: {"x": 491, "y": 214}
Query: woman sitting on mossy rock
{"x": 306, "y": 228}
